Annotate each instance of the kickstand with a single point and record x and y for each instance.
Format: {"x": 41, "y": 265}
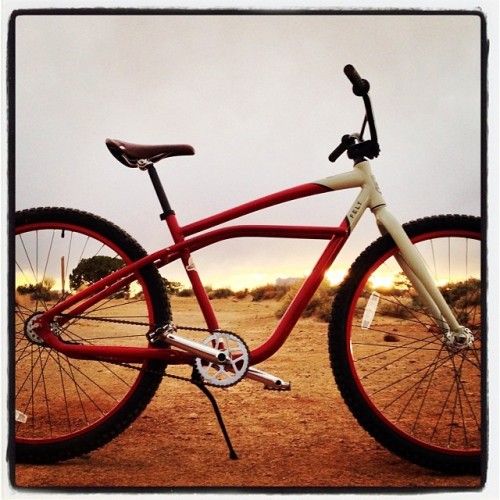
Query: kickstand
{"x": 198, "y": 382}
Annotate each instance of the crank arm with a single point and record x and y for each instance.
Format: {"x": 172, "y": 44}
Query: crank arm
{"x": 269, "y": 381}
{"x": 202, "y": 351}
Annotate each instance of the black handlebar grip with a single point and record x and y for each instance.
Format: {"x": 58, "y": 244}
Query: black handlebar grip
{"x": 360, "y": 87}
{"x": 337, "y": 152}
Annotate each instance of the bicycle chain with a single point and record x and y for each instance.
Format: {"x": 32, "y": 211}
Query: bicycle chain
{"x": 140, "y": 323}
{"x": 151, "y": 327}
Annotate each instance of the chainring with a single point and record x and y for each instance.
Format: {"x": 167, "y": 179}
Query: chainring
{"x": 231, "y": 372}
{"x": 224, "y": 375}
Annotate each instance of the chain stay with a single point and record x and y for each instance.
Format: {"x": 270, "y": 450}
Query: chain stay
{"x": 152, "y": 329}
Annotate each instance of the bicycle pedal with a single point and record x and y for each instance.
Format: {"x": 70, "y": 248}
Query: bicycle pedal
{"x": 284, "y": 386}
{"x": 271, "y": 382}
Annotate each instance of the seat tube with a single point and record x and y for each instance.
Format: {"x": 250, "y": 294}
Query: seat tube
{"x": 170, "y": 218}
{"x": 192, "y": 273}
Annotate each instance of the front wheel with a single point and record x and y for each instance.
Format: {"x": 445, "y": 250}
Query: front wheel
{"x": 405, "y": 383}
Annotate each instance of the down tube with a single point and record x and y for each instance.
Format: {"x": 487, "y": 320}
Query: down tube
{"x": 300, "y": 301}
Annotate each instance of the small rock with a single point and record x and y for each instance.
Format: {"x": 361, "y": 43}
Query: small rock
{"x": 388, "y": 337}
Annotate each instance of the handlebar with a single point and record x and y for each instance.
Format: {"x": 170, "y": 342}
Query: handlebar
{"x": 360, "y": 87}
{"x": 356, "y": 147}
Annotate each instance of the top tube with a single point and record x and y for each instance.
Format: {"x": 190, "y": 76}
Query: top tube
{"x": 302, "y": 191}
{"x": 358, "y": 177}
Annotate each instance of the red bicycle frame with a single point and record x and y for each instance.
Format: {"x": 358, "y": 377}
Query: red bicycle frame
{"x": 187, "y": 239}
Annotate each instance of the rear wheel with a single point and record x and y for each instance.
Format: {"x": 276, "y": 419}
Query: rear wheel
{"x": 412, "y": 389}
{"x": 67, "y": 407}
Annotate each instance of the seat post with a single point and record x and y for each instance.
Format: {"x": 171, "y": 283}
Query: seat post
{"x": 160, "y": 192}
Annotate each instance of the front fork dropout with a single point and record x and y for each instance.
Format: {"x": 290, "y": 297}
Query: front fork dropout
{"x": 455, "y": 336}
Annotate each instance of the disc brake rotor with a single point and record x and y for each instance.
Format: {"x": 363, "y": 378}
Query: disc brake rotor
{"x": 234, "y": 369}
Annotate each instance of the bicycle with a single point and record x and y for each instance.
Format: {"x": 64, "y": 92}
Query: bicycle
{"x": 407, "y": 359}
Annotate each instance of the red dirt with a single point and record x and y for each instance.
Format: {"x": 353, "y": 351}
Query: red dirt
{"x": 304, "y": 438}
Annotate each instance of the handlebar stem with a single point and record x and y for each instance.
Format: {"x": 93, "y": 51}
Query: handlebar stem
{"x": 356, "y": 148}
{"x": 370, "y": 118}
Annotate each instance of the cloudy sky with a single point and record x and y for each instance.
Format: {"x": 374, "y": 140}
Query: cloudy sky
{"x": 263, "y": 100}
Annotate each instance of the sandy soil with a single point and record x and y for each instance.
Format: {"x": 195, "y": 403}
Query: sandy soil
{"x": 304, "y": 438}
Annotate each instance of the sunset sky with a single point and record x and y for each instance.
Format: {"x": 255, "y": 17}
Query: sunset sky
{"x": 263, "y": 100}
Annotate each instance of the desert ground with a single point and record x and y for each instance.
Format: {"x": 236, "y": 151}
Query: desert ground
{"x": 299, "y": 440}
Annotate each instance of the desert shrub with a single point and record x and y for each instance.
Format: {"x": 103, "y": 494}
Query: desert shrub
{"x": 463, "y": 293}
{"x": 185, "y": 292}
{"x": 39, "y": 291}
{"x": 319, "y": 306}
{"x": 220, "y": 293}
{"x": 241, "y": 294}
{"x": 172, "y": 287}
{"x": 268, "y": 292}
{"x": 395, "y": 309}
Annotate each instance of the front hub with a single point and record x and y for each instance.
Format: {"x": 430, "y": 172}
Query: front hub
{"x": 458, "y": 340}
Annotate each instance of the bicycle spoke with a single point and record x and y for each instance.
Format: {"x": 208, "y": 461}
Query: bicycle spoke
{"x": 63, "y": 402}
{"x": 417, "y": 378}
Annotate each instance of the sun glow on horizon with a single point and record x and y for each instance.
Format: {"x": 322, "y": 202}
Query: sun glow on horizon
{"x": 382, "y": 280}
{"x": 249, "y": 281}
{"x": 335, "y": 276}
